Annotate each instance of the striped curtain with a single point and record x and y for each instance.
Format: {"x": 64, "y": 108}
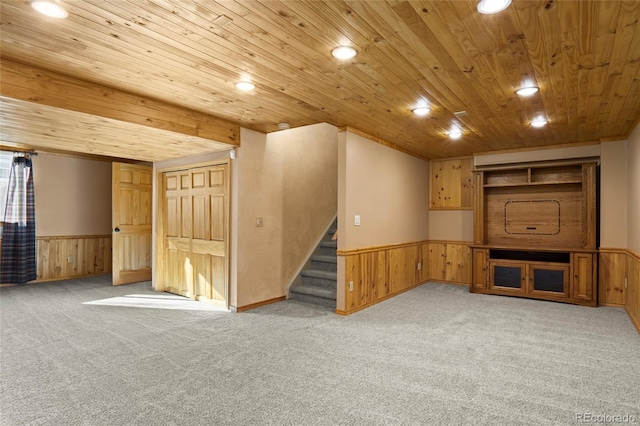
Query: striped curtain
{"x": 18, "y": 257}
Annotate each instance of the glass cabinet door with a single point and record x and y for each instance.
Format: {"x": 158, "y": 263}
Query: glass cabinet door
{"x": 549, "y": 279}
{"x": 508, "y": 276}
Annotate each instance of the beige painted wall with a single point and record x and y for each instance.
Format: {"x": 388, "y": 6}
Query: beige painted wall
{"x": 287, "y": 178}
{"x": 390, "y": 192}
{"x": 72, "y": 196}
{"x": 613, "y": 194}
{"x": 451, "y": 225}
{"x": 633, "y": 189}
{"x": 388, "y": 189}
{"x": 290, "y": 180}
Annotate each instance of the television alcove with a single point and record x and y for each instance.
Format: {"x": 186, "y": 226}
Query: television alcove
{"x": 535, "y": 232}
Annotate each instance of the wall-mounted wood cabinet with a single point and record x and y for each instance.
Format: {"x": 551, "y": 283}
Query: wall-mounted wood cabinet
{"x": 535, "y": 232}
{"x": 451, "y": 184}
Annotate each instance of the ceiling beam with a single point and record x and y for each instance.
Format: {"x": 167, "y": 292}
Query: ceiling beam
{"x": 43, "y": 87}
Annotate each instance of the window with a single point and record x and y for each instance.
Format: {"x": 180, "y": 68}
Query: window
{"x": 6, "y": 158}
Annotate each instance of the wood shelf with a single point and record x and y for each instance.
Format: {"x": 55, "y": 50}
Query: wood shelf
{"x": 530, "y": 248}
{"x": 515, "y": 184}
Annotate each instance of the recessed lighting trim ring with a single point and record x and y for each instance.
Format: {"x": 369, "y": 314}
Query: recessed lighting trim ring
{"x": 49, "y": 8}
{"x": 344, "y": 52}
{"x": 488, "y": 7}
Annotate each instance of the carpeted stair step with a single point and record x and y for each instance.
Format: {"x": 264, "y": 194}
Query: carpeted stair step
{"x": 324, "y": 263}
{"x": 317, "y": 278}
{"x": 328, "y": 248}
{"x": 319, "y": 295}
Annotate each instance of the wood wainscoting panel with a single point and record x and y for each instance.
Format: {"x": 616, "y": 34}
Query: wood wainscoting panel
{"x": 353, "y": 292}
{"x": 612, "y": 272}
{"x": 380, "y": 273}
{"x": 425, "y": 266}
{"x": 64, "y": 257}
{"x": 632, "y": 293}
{"x": 396, "y": 264}
{"x": 72, "y": 257}
{"x": 373, "y": 273}
{"x": 450, "y": 261}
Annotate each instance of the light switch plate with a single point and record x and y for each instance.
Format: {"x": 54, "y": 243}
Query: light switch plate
{"x": 259, "y": 221}
{"x": 356, "y": 220}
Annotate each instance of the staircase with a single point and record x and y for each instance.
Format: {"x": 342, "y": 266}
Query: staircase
{"x": 317, "y": 282}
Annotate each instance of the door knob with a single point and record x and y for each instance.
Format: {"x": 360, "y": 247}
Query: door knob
{"x": 116, "y": 230}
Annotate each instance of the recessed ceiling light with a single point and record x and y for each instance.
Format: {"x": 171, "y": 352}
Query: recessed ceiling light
{"x": 245, "y": 85}
{"x": 50, "y": 9}
{"x": 539, "y": 122}
{"x": 421, "y": 111}
{"x": 284, "y": 126}
{"x": 526, "y": 91}
{"x": 487, "y": 7}
{"x": 455, "y": 134}
{"x": 344, "y": 52}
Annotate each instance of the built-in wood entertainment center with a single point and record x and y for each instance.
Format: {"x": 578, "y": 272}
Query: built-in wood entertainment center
{"x": 535, "y": 231}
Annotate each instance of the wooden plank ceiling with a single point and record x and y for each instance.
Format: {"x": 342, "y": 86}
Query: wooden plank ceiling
{"x": 584, "y": 56}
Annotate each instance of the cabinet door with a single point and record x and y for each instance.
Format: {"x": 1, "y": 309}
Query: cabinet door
{"x": 548, "y": 279}
{"x": 583, "y": 276}
{"x": 479, "y": 271}
{"x": 507, "y": 276}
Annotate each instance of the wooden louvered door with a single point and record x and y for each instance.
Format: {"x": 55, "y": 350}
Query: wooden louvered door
{"x": 196, "y": 233}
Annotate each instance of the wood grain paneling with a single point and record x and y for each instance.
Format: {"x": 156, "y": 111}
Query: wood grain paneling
{"x": 259, "y": 304}
{"x": 451, "y": 184}
{"x": 612, "y": 274}
{"x": 479, "y": 273}
{"x": 582, "y": 55}
{"x": 378, "y": 274}
{"x": 48, "y": 106}
{"x": 479, "y": 209}
{"x": 193, "y": 232}
{"x": 544, "y": 206}
{"x": 450, "y": 262}
{"x": 632, "y": 292}
{"x": 131, "y": 222}
{"x": 584, "y": 276}
{"x": 64, "y": 257}
{"x": 564, "y": 222}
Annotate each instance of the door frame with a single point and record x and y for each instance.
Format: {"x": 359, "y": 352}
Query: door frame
{"x": 159, "y": 228}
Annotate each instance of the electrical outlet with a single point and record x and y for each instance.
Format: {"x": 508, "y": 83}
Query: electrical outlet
{"x": 356, "y": 220}
{"x": 419, "y": 266}
{"x": 71, "y": 259}
{"x": 350, "y": 285}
